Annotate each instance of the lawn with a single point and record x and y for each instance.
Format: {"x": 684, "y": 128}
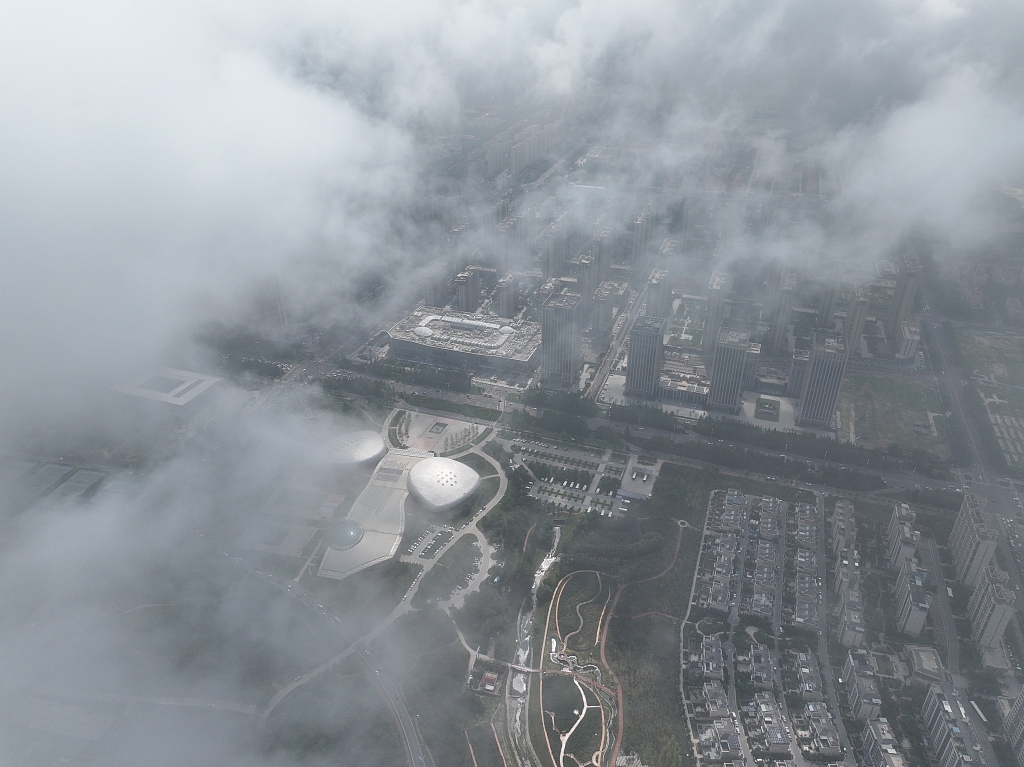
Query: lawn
{"x": 435, "y": 403}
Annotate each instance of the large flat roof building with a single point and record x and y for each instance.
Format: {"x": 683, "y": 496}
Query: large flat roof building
{"x": 466, "y": 341}
{"x": 372, "y": 531}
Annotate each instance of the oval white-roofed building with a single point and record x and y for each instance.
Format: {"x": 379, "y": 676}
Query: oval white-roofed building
{"x": 440, "y": 483}
{"x": 354, "y": 448}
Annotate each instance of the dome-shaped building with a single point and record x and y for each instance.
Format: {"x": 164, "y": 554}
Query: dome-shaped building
{"x": 440, "y": 483}
{"x": 355, "y": 448}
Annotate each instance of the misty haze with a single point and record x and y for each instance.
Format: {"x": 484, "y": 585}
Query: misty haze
{"x": 491, "y": 384}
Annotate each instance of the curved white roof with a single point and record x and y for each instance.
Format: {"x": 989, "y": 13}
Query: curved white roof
{"x": 440, "y": 483}
{"x": 353, "y": 448}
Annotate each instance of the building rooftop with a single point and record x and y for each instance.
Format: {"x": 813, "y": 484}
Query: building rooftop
{"x": 169, "y": 385}
{"x": 374, "y": 526}
{"x": 440, "y": 483}
{"x": 563, "y": 300}
{"x": 484, "y": 335}
{"x": 649, "y": 325}
{"x": 353, "y": 448}
{"x": 733, "y": 337}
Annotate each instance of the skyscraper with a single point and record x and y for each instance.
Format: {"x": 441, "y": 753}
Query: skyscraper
{"x": 734, "y": 358}
{"x": 507, "y": 296}
{"x": 828, "y": 305}
{"x": 717, "y": 289}
{"x": 779, "y": 342}
{"x": 645, "y": 356}
{"x": 825, "y": 369}
{"x": 903, "y": 297}
{"x": 972, "y": 542}
{"x": 798, "y": 372}
{"x": 659, "y": 295}
{"x": 584, "y": 267}
{"x": 853, "y": 327}
{"x": 990, "y": 608}
{"x": 560, "y": 340}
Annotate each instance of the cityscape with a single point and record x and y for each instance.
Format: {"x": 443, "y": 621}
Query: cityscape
{"x": 466, "y": 385}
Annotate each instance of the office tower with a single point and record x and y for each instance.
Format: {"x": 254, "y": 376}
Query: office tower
{"x": 645, "y": 356}
{"x": 825, "y": 369}
{"x": 717, "y": 289}
{"x": 641, "y": 233}
{"x": 828, "y": 305}
{"x": 798, "y": 372}
{"x": 901, "y": 538}
{"x": 912, "y": 601}
{"x": 779, "y": 340}
{"x": 458, "y": 249}
{"x": 734, "y": 357}
{"x": 773, "y": 284}
{"x": 467, "y": 289}
{"x": 910, "y": 337}
{"x": 853, "y": 327}
{"x": 554, "y": 248}
{"x": 1013, "y": 727}
{"x": 560, "y": 340}
{"x": 584, "y": 267}
{"x": 601, "y": 249}
{"x": 603, "y": 312}
{"x": 990, "y": 608}
{"x": 659, "y": 295}
{"x": 436, "y": 286}
{"x": 507, "y": 296}
{"x": 903, "y": 297}
{"x": 972, "y": 542}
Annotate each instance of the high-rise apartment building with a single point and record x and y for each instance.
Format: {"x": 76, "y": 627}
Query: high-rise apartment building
{"x": 659, "y": 295}
{"x": 717, "y": 289}
{"x": 910, "y": 337}
{"x": 912, "y": 601}
{"x": 825, "y": 369}
{"x": 951, "y": 734}
{"x": 990, "y": 608}
{"x": 881, "y": 745}
{"x": 734, "y": 358}
{"x": 901, "y": 539}
{"x": 853, "y": 327}
{"x": 1013, "y": 727}
{"x": 903, "y": 297}
{"x": 779, "y": 340}
{"x": 560, "y": 340}
{"x": 645, "y": 356}
{"x": 973, "y": 541}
